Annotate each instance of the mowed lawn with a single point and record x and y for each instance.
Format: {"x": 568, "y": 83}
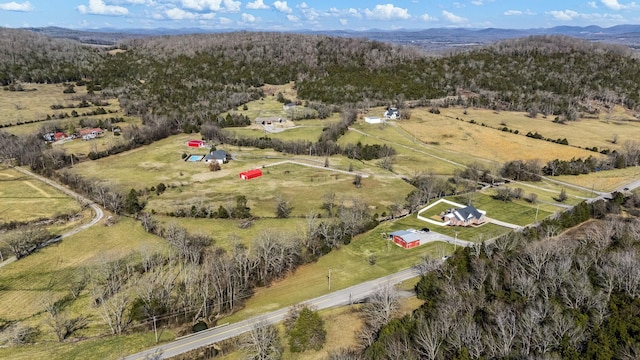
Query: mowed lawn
{"x": 23, "y": 198}
{"x": 586, "y": 132}
{"x": 483, "y": 143}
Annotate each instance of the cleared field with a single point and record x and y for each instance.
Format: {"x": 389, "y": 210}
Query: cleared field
{"x": 603, "y": 180}
{"x": 192, "y": 184}
{"x": 28, "y": 281}
{"x": 410, "y": 158}
{"x": 35, "y": 104}
{"x": 482, "y": 143}
{"x": 302, "y": 132}
{"x": 583, "y": 133}
{"x": 25, "y": 199}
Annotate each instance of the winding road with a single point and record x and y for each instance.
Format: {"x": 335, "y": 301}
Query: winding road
{"x": 99, "y": 214}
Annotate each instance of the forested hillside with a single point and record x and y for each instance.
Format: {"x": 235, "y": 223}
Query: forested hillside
{"x": 196, "y": 77}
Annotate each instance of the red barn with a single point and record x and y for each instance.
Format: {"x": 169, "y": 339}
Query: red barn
{"x": 406, "y": 238}
{"x": 247, "y": 175}
{"x": 196, "y": 143}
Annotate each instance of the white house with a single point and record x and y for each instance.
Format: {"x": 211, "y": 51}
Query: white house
{"x": 372, "y": 120}
{"x": 392, "y": 113}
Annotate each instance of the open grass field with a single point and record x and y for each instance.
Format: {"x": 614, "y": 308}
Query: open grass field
{"x": 25, "y": 199}
{"x": 21, "y": 106}
{"x": 299, "y": 133}
{"x": 107, "y": 348}
{"x": 603, "y": 180}
{"x": 482, "y": 143}
{"x": 47, "y": 272}
{"x": 193, "y": 184}
{"x": 583, "y": 133}
{"x": 410, "y": 158}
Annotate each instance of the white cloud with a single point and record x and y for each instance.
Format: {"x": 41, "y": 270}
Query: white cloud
{"x": 387, "y": 12}
{"x": 565, "y": 15}
{"x": 225, "y": 21}
{"x": 213, "y": 5}
{"x": 453, "y": 17}
{"x": 343, "y": 22}
{"x": 513, "y": 12}
{"x": 14, "y": 6}
{"x": 427, "y": 17}
{"x": 256, "y": 5}
{"x": 179, "y": 14}
{"x": 293, "y": 18}
{"x": 612, "y": 4}
{"x": 477, "y": 2}
{"x": 98, "y": 7}
{"x": 248, "y": 18}
{"x": 282, "y": 6}
{"x": 592, "y": 4}
{"x": 302, "y": 5}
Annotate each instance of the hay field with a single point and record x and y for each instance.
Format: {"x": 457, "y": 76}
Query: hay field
{"x": 482, "y": 143}
{"x": 410, "y": 158}
{"x": 583, "y": 133}
{"x": 20, "y": 106}
{"x": 25, "y": 199}
{"x": 603, "y": 180}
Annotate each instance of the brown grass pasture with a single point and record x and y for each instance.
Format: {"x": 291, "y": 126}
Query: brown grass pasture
{"x": 21, "y": 106}
{"x": 25, "y": 199}
{"x": 585, "y": 132}
{"x": 604, "y": 180}
{"x": 482, "y": 143}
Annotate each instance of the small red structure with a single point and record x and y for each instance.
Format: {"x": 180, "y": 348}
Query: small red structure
{"x": 196, "y": 143}
{"x": 248, "y": 175}
{"x": 59, "y": 136}
{"x": 406, "y": 238}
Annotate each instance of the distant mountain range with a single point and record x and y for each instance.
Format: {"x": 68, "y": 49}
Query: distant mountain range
{"x": 430, "y": 39}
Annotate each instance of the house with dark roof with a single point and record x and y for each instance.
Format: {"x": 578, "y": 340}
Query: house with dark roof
{"x": 219, "y": 156}
{"x": 392, "y": 113}
{"x": 464, "y": 217}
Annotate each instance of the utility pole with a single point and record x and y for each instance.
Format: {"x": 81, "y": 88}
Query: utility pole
{"x": 329, "y": 277}
{"x": 455, "y": 243}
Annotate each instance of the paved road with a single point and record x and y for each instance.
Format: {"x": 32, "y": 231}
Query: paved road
{"x": 99, "y": 214}
{"x": 346, "y": 296}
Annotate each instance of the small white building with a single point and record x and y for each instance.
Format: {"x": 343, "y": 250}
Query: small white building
{"x": 372, "y": 120}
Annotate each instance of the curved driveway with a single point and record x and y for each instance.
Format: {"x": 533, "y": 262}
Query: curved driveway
{"x": 99, "y": 214}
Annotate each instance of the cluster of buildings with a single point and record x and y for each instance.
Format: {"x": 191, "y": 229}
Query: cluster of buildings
{"x": 84, "y": 134}
{"x": 391, "y": 113}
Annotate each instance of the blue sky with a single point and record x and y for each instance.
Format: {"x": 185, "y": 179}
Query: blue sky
{"x": 316, "y": 14}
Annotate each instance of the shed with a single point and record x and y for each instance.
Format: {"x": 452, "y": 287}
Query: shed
{"x": 373, "y": 120}
{"x": 406, "y": 238}
{"x": 250, "y": 174}
{"x": 196, "y": 143}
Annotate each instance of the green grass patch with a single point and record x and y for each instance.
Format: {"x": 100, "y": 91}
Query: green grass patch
{"x": 112, "y": 347}
{"x": 23, "y": 198}
{"x": 49, "y": 271}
